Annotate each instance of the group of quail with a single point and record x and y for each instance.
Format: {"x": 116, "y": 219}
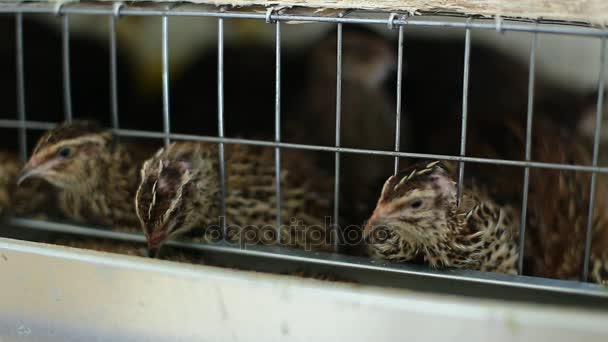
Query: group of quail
{"x": 82, "y": 172}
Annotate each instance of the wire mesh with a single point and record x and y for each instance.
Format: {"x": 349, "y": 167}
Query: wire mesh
{"x": 114, "y": 10}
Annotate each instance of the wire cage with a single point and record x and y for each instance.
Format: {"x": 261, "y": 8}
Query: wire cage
{"x": 396, "y": 275}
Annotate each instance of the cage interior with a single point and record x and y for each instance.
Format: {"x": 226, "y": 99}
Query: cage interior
{"x": 340, "y": 102}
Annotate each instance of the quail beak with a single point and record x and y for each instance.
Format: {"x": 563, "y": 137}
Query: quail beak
{"x": 31, "y": 169}
{"x": 155, "y": 241}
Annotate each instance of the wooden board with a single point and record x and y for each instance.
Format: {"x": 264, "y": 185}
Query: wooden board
{"x": 594, "y": 12}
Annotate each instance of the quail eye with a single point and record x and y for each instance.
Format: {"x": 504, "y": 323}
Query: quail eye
{"x": 416, "y": 204}
{"x": 64, "y": 152}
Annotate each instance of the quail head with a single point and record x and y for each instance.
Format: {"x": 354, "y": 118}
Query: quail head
{"x": 418, "y": 217}
{"x": 94, "y": 175}
{"x": 180, "y": 191}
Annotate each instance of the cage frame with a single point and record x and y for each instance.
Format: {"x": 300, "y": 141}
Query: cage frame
{"x": 393, "y": 21}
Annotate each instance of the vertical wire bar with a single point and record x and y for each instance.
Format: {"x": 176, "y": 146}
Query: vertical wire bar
{"x": 465, "y": 100}
{"x": 220, "y": 120}
{"x": 398, "y": 105}
{"x": 165, "y": 56}
{"x": 67, "y": 88}
{"x": 113, "y": 74}
{"x": 338, "y": 122}
{"x": 530, "y": 114}
{"x": 277, "y": 126}
{"x": 596, "y": 150}
{"x": 20, "y": 87}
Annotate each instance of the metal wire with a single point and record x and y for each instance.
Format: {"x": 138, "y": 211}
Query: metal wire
{"x": 338, "y": 122}
{"x": 67, "y": 88}
{"x": 596, "y": 150}
{"x": 398, "y": 105}
{"x": 220, "y": 121}
{"x": 165, "y": 56}
{"x": 277, "y": 127}
{"x": 38, "y": 125}
{"x": 465, "y": 105}
{"x": 113, "y": 73}
{"x": 530, "y": 113}
{"x": 559, "y": 287}
{"x": 20, "y": 87}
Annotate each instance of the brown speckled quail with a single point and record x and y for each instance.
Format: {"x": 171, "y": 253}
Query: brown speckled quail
{"x": 558, "y": 208}
{"x": 558, "y": 200}
{"x": 180, "y": 191}
{"x": 94, "y": 175}
{"x": 418, "y": 217}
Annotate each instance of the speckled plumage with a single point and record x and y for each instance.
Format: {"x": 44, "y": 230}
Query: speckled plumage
{"x": 94, "y": 175}
{"x": 417, "y": 217}
{"x": 558, "y": 208}
{"x": 180, "y": 191}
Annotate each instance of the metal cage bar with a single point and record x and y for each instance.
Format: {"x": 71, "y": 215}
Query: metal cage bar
{"x": 465, "y": 106}
{"x": 596, "y": 150}
{"x": 220, "y": 121}
{"x": 113, "y": 68}
{"x": 67, "y": 87}
{"x": 398, "y": 104}
{"x": 338, "y": 131}
{"x": 39, "y": 125}
{"x": 277, "y": 126}
{"x": 20, "y": 87}
{"x": 165, "y": 57}
{"x": 528, "y": 156}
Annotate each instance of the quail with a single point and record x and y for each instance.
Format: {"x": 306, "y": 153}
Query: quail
{"x": 94, "y": 176}
{"x": 180, "y": 191}
{"x": 418, "y": 217}
{"x": 558, "y": 205}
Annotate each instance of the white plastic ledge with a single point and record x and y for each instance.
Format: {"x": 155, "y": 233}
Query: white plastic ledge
{"x": 54, "y": 293}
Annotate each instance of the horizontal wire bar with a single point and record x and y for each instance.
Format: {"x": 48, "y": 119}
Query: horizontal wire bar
{"x": 506, "y": 162}
{"x": 96, "y": 9}
{"x": 36, "y": 125}
{"x": 321, "y": 258}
